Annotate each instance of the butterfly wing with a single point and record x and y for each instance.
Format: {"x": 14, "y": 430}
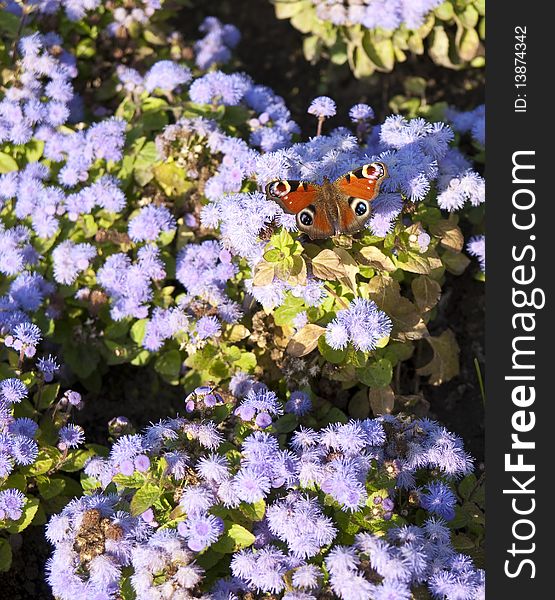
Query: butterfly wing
{"x": 357, "y": 190}
{"x": 303, "y": 200}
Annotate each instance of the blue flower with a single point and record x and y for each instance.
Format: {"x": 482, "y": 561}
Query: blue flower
{"x": 439, "y": 499}
{"x": 149, "y": 223}
{"x": 48, "y": 367}
{"x": 299, "y": 404}
{"x": 361, "y": 112}
{"x": 12, "y": 390}
{"x": 362, "y": 324}
{"x": 166, "y": 75}
{"x": 201, "y": 530}
{"x": 322, "y": 107}
{"x": 11, "y": 504}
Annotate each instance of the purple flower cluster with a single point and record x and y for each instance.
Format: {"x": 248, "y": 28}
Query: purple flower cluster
{"x": 362, "y": 324}
{"x": 15, "y": 247}
{"x": 164, "y": 324}
{"x": 150, "y": 222}
{"x": 471, "y": 121}
{"x": 260, "y": 405}
{"x": 12, "y": 502}
{"x": 374, "y": 14}
{"x": 41, "y": 100}
{"x": 17, "y": 444}
{"x": 164, "y": 75}
{"x": 322, "y": 468}
{"x": 215, "y": 47}
{"x": 128, "y": 282}
{"x": 409, "y": 556}
{"x": 93, "y": 541}
{"x": 70, "y": 259}
{"x": 204, "y": 270}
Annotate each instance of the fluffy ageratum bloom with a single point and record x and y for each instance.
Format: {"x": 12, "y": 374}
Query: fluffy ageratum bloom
{"x": 164, "y": 324}
{"x": 299, "y": 404}
{"x": 476, "y": 246}
{"x": 70, "y": 436}
{"x": 437, "y": 498}
{"x": 70, "y": 259}
{"x": 472, "y": 121}
{"x": 375, "y": 14}
{"x": 12, "y": 390}
{"x": 11, "y": 504}
{"x": 250, "y": 486}
{"x": 468, "y": 186}
{"x": 43, "y": 92}
{"x": 322, "y": 107}
{"x": 150, "y": 222}
{"x": 215, "y": 47}
{"x": 263, "y": 569}
{"x": 219, "y": 88}
{"x": 261, "y": 405}
{"x": 362, "y": 324}
{"x": 73, "y": 574}
{"x": 24, "y": 338}
{"x": 129, "y": 283}
{"x": 164, "y": 563}
{"x": 48, "y": 366}
{"x": 166, "y": 75}
{"x": 201, "y": 530}
{"x": 361, "y": 112}
{"x": 299, "y": 521}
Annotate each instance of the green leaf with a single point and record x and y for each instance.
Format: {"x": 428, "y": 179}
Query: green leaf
{"x": 445, "y": 11}
{"x": 413, "y": 262}
{"x": 34, "y": 150}
{"x": 426, "y": 292}
{"x": 7, "y": 163}
{"x": 144, "y": 498}
{"x": 172, "y": 179}
{"x": 235, "y": 538}
{"x": 455, "y": 262}
{"x": 47, "y": 396}
{"x": 46, "y": 459}
{"x": 50, "y": 487}
{"x": 5, "y": 555}
{"x": 467, "y": 486}
{"x": 83, "y": 359}
{"x": 469, "y": 44}
{"x": 335, "y": 357}
{"x": 286, "y": 423}
{"x": 137, "y": 331}
{"x": 168, "y": 365}
{"x": 377, "y": 374}
{"x": 286, "y": 312}
{"x": 76, "y": 460}
{"x": 381, "y": 400}
{"x": 254, "y": 512}
{"x": 380, "y": 52}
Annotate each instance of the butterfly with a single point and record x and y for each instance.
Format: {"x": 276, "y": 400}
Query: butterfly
{"x": 334, "y": 207}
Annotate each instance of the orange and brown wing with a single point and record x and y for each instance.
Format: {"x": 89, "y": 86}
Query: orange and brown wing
{"x": 358, "y": 188}
{"x": 291, "y": 195}
{"x": 363, "y": 182}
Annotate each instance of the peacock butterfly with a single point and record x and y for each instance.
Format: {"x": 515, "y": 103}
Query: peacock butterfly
{"x": 334, "y": 207}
